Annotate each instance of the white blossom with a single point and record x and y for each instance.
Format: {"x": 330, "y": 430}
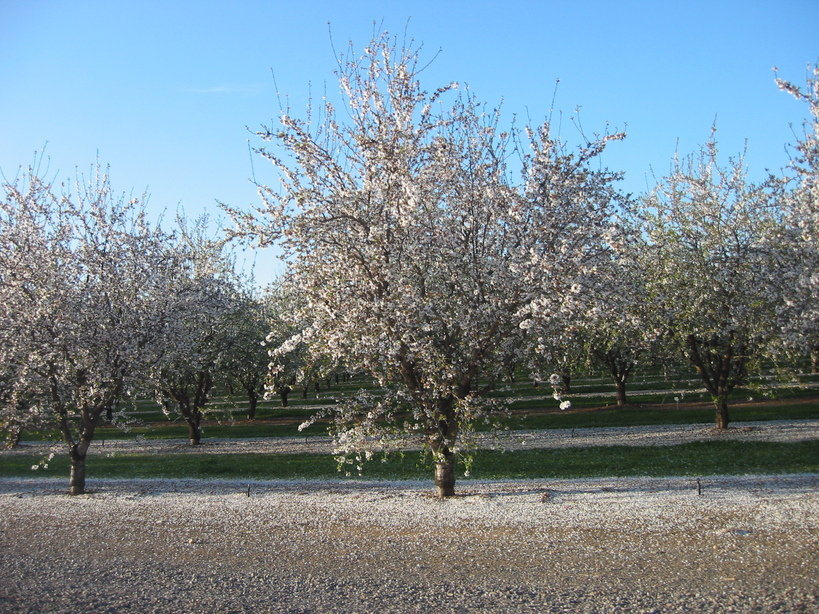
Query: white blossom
{"x": 414, "y": 253}
{"x": 84, "y": 284}
{"x": 713, "y": 265}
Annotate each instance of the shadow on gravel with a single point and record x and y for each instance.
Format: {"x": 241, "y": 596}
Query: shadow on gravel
{"x": 793, "y": 484}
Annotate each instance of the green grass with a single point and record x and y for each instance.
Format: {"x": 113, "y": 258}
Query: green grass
{"x": 698, "y": 458}
{"x": 606, "y": 417}
{"x": 645, "y": 397}
{"x": 600, "y": 389}
{"x": 635, "y": 416}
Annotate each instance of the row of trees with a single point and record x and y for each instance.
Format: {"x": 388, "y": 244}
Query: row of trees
{"x": 98, "y": 306}
{"x": 436, "y": 249}
{"x": 429, "y": 246}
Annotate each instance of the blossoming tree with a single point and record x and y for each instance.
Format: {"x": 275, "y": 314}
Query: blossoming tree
{"x": 200, "y": 329}
{"x": 712, "y": 267}
{"x": 801, "y": 310}
{"x": 82, "y": 284}
{"x": 245, "y": 366}
{"x": 618, "y": 332}
{"x": 289, "y": 360}
{"x": 415, "y": 254}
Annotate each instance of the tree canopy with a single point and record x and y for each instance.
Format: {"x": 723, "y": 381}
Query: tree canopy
{"x": 417, "y": 255}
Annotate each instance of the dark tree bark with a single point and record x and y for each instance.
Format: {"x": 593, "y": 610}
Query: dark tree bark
{"x": 721, "y": 405}
{"x": 283, "y": 393}
{"x": 91, "y": 415}
{"x": 620, "y": 363}
{"x": 192, "y": 416}
{"x": 253, "y": 402}
{"x": 76, "y": 480}
{"x": 189, "y": 403}
{"x": 194, "y": 429}
{"x": 721, "y": 365}
{"x": 445, "y": 474}
{"x": 442, "y": 437}
{"x": 620, "y": 392}
{"x": 79, "y": 451}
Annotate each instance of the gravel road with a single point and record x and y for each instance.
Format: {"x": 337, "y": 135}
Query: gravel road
{"x": 725, "y": 544}
{"x": 745, "y": 544}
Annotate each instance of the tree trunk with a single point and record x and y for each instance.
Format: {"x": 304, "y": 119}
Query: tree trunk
{"x": 76, "y": 481}
{"x": 814, "y": 362}
{"x": 716, "y": 364}
{"x": 567, "y": 382}
{"x": 721, "y": 404}
{"x": 442, "y": 438}
{"x": 283, "y": 392}
{"x": 194, "y": 432}
{"x": 620, "y": 388}
{"x": 620, "y": 365}
{"x": 445, "y": 475}
{"x": 78, "y": 451}
{"x": 253, "y": 401}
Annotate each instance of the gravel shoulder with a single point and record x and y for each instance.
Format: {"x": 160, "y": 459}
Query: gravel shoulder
{"x": 746, "y": 543}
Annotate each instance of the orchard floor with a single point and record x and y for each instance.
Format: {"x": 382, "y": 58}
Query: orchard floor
{"x": 739, "y": 543}
{"x": 654, "y": 435}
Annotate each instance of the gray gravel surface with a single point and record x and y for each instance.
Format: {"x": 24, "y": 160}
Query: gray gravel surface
{"x": 746, "y": 544}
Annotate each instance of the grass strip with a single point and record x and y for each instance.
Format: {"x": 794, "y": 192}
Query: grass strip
{"x": 607, "y": 417}
{"x": 697, "y": 458}
{"x": 637, "y": 416}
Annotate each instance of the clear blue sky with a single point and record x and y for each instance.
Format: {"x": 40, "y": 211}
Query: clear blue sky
{"x": 165, "y": 91}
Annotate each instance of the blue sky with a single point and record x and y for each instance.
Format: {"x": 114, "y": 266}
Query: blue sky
{"x": 165, "y": 92}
